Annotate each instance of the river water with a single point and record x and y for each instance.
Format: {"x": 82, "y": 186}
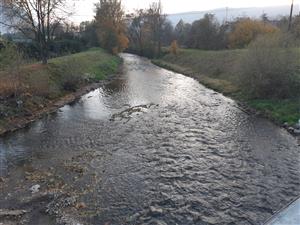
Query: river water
{"x": 164, "y": 150}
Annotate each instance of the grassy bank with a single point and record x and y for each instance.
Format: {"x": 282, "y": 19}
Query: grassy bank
{"x": 30, "y": 89}
{"x": 218, "y": 70}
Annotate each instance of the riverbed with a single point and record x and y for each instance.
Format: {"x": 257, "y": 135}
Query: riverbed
{"x": 150, "y": 147}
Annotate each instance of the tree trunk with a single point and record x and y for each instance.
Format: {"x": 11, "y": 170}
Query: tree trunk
{"x": 44, "y": 53}
{"x": 291, "y": 16}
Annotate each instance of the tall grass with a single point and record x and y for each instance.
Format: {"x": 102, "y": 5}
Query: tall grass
{"x": 61, "y": 74}
{"x": 10, "y": 75}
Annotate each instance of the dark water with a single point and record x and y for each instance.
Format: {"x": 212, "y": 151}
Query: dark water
{"x": 167, "y": 151}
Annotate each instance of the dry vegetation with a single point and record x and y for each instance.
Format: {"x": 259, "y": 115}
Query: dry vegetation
{"x": 266, "y": 75}
{"x": 270, "y": 68}
{"x": 27, "y": 88}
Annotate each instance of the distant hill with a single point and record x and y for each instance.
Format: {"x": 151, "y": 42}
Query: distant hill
{"x": 232, "y": 13}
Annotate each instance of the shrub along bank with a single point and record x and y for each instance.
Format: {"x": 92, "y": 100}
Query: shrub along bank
{"x": 27, "y": 90}
{"x": 264, "y": 77}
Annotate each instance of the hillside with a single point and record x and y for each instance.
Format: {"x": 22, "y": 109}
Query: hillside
{"x": 232, "y": 13}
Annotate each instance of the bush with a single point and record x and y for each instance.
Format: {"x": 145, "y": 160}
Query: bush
{"x": 70, "y": 73}
{"x": 270, "y": 67}
{"x": 30, "y": 50}
{"x": 39, "y": 83}
{"x": 66, "y": 46}
{"x": 10, "y": 61}
{"x": 174, "y": 48}
{"x": 10, "y": 57}
{"x": 247, "y": 30}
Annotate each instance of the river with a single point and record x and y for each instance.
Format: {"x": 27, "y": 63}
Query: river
{"x": 153, "y": 147}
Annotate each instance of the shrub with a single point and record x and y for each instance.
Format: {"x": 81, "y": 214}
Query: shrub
{"x": 247, "y": 30}
{"x": 174, "y": 47}
{"x": 39, "y": 83}
{"x": 10, "y": 61}
{"x": 10, "y": 57}
{"x": 8, "y": 86}
{"x": 270, "y": 67}
{"x": 66, "y": 46}
{"x": 70, "y": 72}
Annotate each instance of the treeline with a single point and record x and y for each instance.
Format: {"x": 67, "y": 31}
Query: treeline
{"x": 67, "y": 39}
{"x": 145, "y": 32}
{"x": 206, "y": 33}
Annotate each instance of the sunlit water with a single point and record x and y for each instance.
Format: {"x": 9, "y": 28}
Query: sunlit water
{"x": 183, "y": 149}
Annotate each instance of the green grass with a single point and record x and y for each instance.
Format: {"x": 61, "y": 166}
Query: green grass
{"x": 39, "y": 84}
{"x": 216, "y": 64}
{"x": 218, "y": 71}
{"x": 283, "y": 111}
{"x": 96, "y": 62}
{"x": 217, "y": 84}
{"x": 215, "y": 69}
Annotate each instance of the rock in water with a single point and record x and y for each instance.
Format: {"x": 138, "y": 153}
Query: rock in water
{"x": 155, "y": 211}
{"x": 35, "y": 188}
{"x": 11, "y": 213}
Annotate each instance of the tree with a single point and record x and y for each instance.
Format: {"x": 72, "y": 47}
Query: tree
{"x": 148, "y": 30}
{"x": 291, "y": 16}
{"x": 88, "y": 33}
{"x": 246, "y": 30}
{"x": 181, "y": 32}
{"x": 110, "y": 23}
{"x": 167, "y": 33}
{"x": 36, "y": 19}
{"x": 204, "y": 33}
{"x": 154, "y": 22}
{"x": 137, "y": 31}
{"x": 264, "y": 17}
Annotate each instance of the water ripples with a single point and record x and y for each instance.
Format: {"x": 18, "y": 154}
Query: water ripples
{"x": 167, "y": 151}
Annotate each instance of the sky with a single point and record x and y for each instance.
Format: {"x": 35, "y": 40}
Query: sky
{"x": 85, "y": 8}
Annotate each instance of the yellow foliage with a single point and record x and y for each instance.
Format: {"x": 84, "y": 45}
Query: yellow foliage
{"x": 247, "y": 30}
{"x": 123, "y": 42}
{"x": 174, "y": 47}
{"x": 111, "y": 26}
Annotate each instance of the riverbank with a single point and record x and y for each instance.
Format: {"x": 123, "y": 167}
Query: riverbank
{"x": 218, "y": 71}
{"x": 110, "y": 159}
{"x": 42, "y": 89}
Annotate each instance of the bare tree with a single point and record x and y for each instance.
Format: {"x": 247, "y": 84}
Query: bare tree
{"x": 155, "y": 20}
{"x": 148, "y": 29}
{"x": 36, "y": 19}
{"x": 136, "y": 30}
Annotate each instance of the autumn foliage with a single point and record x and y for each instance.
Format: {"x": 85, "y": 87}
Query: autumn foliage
{"x": 174, "y": 47}
{"x": 270, "y": 67}
{"x": 111, "y": 27}
{"x": 246, "y": 30}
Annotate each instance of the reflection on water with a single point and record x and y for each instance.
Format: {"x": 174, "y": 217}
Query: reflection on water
{"x": 169, "y": 150}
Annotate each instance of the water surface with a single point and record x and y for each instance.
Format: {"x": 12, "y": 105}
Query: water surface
{"x": 165, "y": 150}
